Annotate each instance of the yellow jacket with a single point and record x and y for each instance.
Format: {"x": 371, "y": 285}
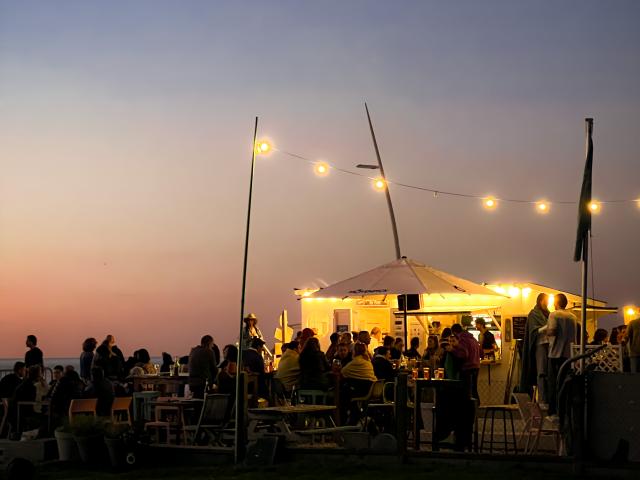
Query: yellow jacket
{"x": 359, "y": 368}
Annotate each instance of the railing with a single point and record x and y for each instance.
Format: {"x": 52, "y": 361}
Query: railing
{"x": 600, "y": 358}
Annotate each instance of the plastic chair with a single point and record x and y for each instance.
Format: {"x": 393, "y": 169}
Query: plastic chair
{"x": 312, "y": 397}
{"x": 83, "y": 406}
{"x": 121, "y": 408}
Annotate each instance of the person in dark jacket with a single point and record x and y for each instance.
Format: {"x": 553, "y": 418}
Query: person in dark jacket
{"x": 313, "y": 367}
{"x": 70, "y": 386}
{"x": 9, "y": 383}
{"x": 202, "y": 367}
{"x": 34, "y": 354}
{"x": 86, "y": 358}
{"x": 413, "y": 352}
{"x": 101, "y": 388}
{"x": 382, "y": 366}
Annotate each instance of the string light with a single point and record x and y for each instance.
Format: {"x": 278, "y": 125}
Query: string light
{"x": 543, "y": 206}
{"x": 379, "y": 184}
{"x": 321, "y": 169}
{"x": 264, "y": 147}
{"x": 490, "y": 203}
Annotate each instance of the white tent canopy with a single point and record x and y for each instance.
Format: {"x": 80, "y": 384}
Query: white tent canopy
{"x": 400, "y": 277}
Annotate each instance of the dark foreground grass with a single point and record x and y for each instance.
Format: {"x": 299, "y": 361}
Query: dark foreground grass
{"x": 296, "y": 472}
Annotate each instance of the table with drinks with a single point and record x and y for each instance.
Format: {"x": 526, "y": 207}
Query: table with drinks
{"x": 421, "y": 378}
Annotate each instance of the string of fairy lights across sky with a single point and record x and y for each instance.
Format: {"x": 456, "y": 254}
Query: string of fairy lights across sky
{"x": 489, "y": 202}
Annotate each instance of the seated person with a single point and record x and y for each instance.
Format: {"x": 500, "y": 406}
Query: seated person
{"x": 382, "y": 366}
{"x": 9, "y": 383}
{"x": 288, "y": 372}
{"x": 358, "y": 376}
{"x": 28, "y": 391}
{"x": 144, "y": 361}
{"x": 58, "y": 371}
{"x": 252, "y": 362}
{"x": 343, "y": 354}
{"x": 167, "y": 362}
{"x": 433, "y": 354}
{"x": 333, "y": 347}
{"x": 313, "y": 366}
{"x": 398, "y": 347}
{"x": 70, "y": 386}
{"x": 413, "y": 351}
{"x": 100, "y": 388}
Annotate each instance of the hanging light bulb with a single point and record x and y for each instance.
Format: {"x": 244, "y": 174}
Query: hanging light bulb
{"x": 489, "y": 203}
{"x": 543, "y": 206}
{"x": 321, "y": 169}
{"x": 263, "y": 147}
{"x": 595, "y": 206}
{"x": 379, "y": 184}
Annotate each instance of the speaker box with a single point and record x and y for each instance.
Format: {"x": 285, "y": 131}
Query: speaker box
{"x": 413, "y": 301}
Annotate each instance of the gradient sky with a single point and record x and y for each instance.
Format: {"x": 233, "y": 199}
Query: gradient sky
{"x": 125, "y": 139}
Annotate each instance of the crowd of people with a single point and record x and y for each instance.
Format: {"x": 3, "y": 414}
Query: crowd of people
{"x": 351, "y": 363}
{"x": 547, "y": 345}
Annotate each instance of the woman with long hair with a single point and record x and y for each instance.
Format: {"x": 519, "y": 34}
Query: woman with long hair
{"x": 313, "y": 367}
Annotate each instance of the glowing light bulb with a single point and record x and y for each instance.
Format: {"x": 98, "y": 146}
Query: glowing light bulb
{"x": 526, "y": 292}
{"x": 630, "y": 311}
{"x": 379, "y": 184}
{"x": 595, "y": 206}
{"x": 321, "y": 169}
{"x": 489, "y": 203}
{"x": 543, "y": 206}
{"x": 550, "y": 303}
{"x": 263, "y": 147}
{"x": 500, "y": 290}
{"x": 514, "y": 291}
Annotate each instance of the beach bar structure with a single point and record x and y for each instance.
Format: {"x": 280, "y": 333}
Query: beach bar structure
{"x": 434, "y": 300}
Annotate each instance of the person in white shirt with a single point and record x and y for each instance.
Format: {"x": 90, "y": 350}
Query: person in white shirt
{"x": 376, "y": 340}
{"x": 562, "y": 331}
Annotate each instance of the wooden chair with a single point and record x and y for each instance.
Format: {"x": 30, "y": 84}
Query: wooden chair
{"x": 167, "y": 418}
{"x": 120, "y": 409}
{"x": 82, "y": 406}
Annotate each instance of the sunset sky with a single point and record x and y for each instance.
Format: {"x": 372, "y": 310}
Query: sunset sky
{"x": 125, "y": 141}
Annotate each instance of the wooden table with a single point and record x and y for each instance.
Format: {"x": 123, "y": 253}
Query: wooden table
{"x": 281, "y": 419}
{"x": 437, "y": 385}
{"x": 160, "y": 382}
{"x": 181, "y": 406}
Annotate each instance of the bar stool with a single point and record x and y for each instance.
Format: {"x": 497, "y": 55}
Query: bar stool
{"x": 505, "y": 410}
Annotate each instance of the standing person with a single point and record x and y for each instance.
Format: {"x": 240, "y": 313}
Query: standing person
{"x": 450, "y": 362}
{"x": 251, "y": 330}
{"x": 632, "y": 340}
{"x": 34, "y": 354}
{"x": 202, "y": 367}
{"x": 86, "y": 358}
{"x": 562, "y": 330}
{"x": 109, "y": 358}
{"x": 433, "y": 355}
{"x": 467, "y": 350}
{"x": 486, "y": 339}
{"x": 365, "y": 337}
{"x": 535, "y": 350}
{"x": 376, "y": 339}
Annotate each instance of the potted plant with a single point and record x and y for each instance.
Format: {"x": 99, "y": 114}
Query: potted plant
{"x": 67, "y": 448}
{"x": 120, "y": 442}
{"x": 88, "y": 434}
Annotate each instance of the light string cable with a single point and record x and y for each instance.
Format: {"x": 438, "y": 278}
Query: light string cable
{"x": 436, "y": 192}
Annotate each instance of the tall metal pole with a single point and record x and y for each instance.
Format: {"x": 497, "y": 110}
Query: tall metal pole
{"x": 585, "y": 258}
{"x": 239, "y": 419}
{"x": 389, "y": 204}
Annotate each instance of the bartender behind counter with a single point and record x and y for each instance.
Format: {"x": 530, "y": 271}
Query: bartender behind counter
{"x": 486, "y": 339}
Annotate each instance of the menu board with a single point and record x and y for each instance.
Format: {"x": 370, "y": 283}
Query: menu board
{"x": 519, "y": 327}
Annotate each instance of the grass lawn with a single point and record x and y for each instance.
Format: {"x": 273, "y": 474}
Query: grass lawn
{"x": 293, "y": 471}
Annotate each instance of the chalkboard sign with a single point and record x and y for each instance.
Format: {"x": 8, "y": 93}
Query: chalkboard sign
{"x": 519, "y": 327}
